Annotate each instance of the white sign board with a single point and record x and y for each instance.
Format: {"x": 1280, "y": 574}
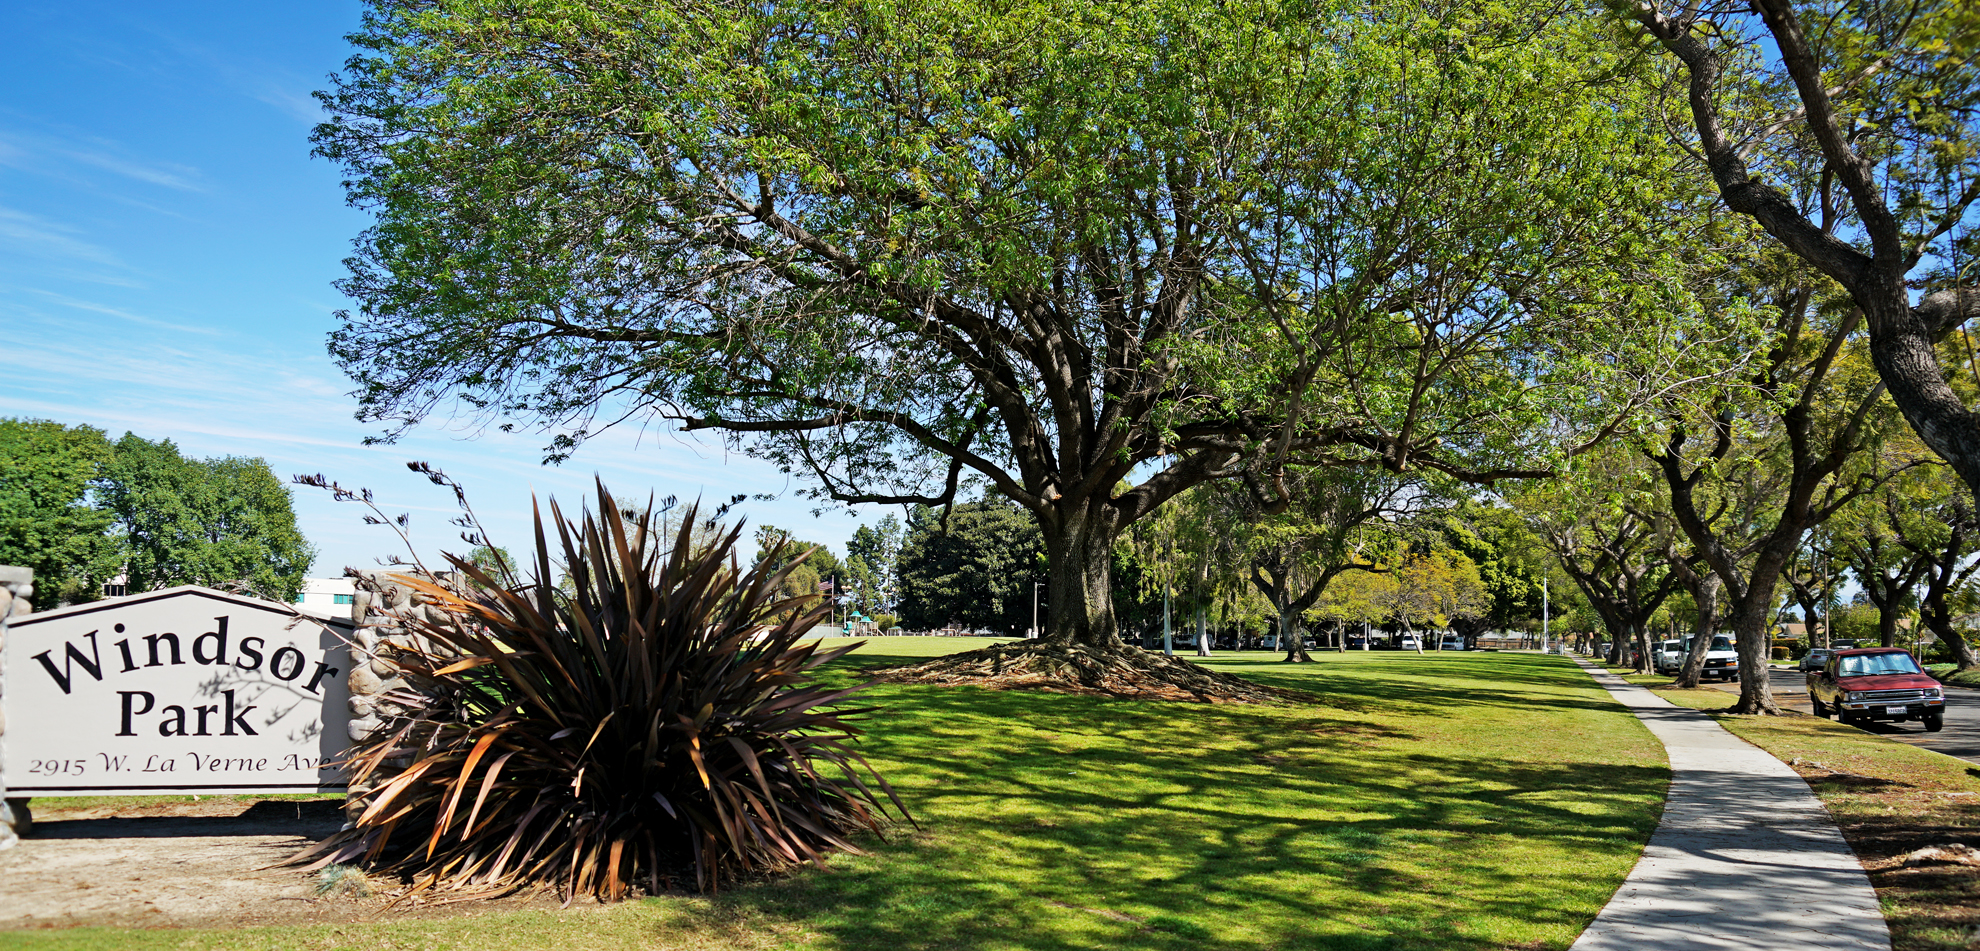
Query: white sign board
{"x": 186, "y": 690}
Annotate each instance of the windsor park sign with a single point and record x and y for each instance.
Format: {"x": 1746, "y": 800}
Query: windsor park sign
{"x": 184, "y": 690}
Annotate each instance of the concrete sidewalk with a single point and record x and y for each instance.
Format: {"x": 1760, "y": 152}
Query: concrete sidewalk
{"x": 1745, "y": 857}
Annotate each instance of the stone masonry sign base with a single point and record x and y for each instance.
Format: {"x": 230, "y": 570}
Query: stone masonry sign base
{"x": 16, "y": 587}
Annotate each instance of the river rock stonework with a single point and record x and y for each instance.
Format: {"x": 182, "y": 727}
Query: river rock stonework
{"x": 386, "y": 610}
{"x": 16, "y": 587}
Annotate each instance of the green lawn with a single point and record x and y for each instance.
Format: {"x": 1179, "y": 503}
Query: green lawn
{"x": 1461, "y": 801}
{"x": 1946, "y": 674}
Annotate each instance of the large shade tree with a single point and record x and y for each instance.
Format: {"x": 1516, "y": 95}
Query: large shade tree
{"x": 1092, "y": 253}
{"x": 1850, "y": 131}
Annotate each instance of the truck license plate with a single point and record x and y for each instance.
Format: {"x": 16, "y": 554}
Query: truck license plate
{"x": 1893, "y": 710}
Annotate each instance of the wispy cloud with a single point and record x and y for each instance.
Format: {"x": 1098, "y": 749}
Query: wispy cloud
{"x": 97, "y": 277}
{"x": 33, "y": 236}
{"x": 285, "y": 89}
{"x": 57, "y": 156}
{"x": 168, "y": 175}
{"x": 95, "y": 308}
{"x": 297, "y": 104}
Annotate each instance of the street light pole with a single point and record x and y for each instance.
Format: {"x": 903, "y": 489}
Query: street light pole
{"x": 1168, "y": 643}
{"x": 1546, "y": 611}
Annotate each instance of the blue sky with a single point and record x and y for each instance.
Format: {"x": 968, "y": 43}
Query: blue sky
{"x": 167, "y": 247}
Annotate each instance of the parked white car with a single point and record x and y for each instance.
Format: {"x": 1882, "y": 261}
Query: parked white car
{"x": 1669, "y": 656}
{"x": 1721, "y": 660}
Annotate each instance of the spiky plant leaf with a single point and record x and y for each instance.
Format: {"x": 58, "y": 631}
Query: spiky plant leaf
{"x": 657, "y": 724}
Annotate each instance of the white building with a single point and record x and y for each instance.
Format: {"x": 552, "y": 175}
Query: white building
{"x": 330, "y": 597}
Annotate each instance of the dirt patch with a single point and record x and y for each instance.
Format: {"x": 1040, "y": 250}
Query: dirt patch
{"x": 1060, "y": 668}
{"x": 203, "y": 863}
{"x": 1930, "y": 906}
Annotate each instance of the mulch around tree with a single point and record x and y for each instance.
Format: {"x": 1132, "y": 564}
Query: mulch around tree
{"x": 1127, "y": 672}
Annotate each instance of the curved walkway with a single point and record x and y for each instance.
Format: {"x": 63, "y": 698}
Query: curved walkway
{"x": 1745, "y": 857}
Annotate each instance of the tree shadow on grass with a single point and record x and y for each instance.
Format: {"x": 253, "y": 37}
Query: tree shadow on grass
{"x": 1503, "y": 680}
{"x": 1057, "y": 821}
{"x": 1376, "y": 680}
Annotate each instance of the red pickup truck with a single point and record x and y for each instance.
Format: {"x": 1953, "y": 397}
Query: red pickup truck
{"x": 1877, "y": 683}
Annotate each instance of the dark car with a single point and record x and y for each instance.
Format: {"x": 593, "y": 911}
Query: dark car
{"x": 1816, "y": 659}
{"x": 1877, "y": 683}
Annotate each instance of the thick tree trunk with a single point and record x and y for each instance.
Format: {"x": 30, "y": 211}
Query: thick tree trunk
{"x": 1751, "y": 617}
{"x": 1887, "y": 618}
{"x": 1079, "y": 559}
{"x": 1811, "y": 621}
{"x": 1082, "y": 649}
{"x": 1903, "y": 349}
{"x": 1645, "y": 663}
{"x": 1963, "y": 653}
{"x": 1290, "y": 639}
{"x": 1705, "y": 595}
{"x": 1202, "y": 634}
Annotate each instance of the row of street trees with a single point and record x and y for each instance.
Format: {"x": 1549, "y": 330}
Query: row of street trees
{"x": 1767, "y": 490}
{"x": 1354, "y": 548}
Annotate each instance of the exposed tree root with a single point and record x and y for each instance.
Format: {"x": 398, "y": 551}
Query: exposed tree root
{"x": 1746, "y": 709}
{"x": 1075, "y": 668}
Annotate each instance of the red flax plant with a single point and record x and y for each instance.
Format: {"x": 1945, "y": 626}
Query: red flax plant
{"x": 655, "y": 721}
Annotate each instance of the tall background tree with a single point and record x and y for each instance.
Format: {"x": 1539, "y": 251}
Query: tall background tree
{"x": 1062, "y": 247}
{"x": 81, "y": 511}
{"x": 976, "y": 571}
{"x": 871, "y": 561}
{"x": 209, "y": 522}
{"x": 48, "y": 521}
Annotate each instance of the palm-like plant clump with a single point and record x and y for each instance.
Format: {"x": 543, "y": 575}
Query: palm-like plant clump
{"x": 650, "y": 724}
